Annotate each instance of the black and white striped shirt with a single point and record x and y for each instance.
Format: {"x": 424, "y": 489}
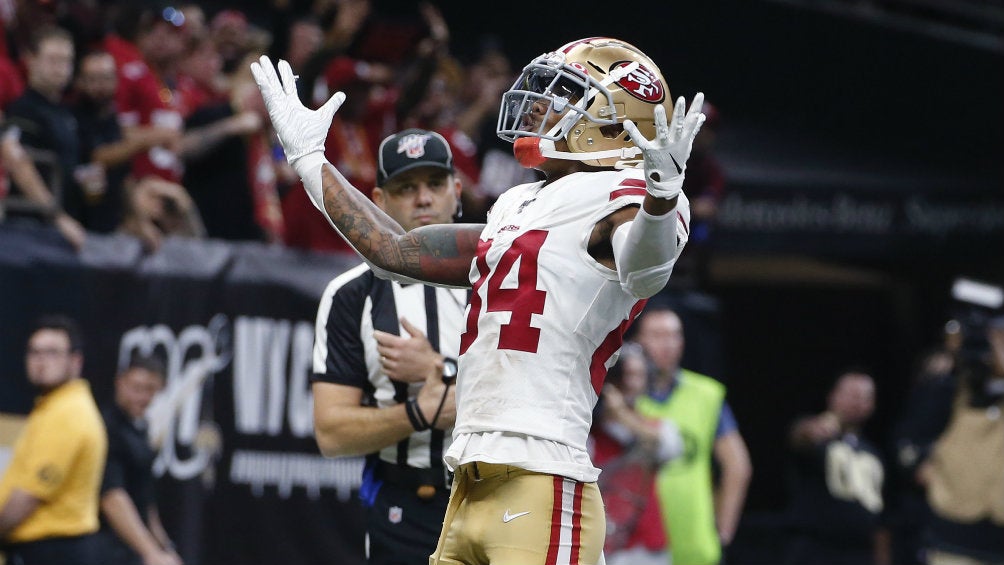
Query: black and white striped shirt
{"x": 345, "y": 352}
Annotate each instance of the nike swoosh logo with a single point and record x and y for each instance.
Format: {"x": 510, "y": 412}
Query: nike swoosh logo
{"x": 679, "y": 169}
{"x": 507, "y": 517}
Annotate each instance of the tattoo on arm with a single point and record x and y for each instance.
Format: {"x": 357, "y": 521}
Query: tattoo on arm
{"x": 439, "y": 253}
{"x": 444, "y": 252}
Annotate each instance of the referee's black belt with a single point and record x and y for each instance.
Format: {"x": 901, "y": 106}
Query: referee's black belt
{"x": 425, "y": 482}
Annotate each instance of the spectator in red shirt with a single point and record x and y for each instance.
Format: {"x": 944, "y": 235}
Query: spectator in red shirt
{"x": 629, "y": 448}
{"x": 146, "y": 94}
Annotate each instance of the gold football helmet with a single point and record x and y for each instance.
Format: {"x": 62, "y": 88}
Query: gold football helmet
{"x": 594, "y": 84}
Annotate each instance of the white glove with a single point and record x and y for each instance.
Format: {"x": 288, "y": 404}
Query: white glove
{"x": 301, "y": 131}
{"x": 666, "y": 155}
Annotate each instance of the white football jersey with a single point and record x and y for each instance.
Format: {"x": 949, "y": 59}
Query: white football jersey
{"x": 545, "y": 320}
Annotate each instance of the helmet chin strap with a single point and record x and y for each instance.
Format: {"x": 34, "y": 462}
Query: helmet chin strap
{"x": 531, "y": 152}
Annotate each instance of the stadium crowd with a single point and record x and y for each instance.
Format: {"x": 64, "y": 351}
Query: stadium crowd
{"x": 143, "y": 119}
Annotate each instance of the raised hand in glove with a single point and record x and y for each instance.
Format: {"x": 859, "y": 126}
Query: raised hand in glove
{"x": 301, "y": 131}
{"x": 666, "y": 155}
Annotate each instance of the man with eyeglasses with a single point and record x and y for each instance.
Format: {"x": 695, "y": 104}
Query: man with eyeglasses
{"x": 49, "y": 494}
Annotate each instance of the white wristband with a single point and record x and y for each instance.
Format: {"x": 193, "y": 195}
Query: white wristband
{"x": 668, "y": 189}
{"x": 309, "y": 169}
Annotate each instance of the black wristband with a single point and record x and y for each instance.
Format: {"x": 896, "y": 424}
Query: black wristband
{"x": 418, "y": 421}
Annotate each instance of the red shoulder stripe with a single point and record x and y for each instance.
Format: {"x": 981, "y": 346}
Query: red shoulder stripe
{"x": 629, "y": 187}
{"x": 627, "y": 192}
{"x": 635, "y": 183}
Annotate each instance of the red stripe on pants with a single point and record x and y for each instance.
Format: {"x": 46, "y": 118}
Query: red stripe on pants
{"x": 576, "y": 522}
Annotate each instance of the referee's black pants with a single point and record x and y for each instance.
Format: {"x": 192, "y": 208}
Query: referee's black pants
{"x": 402, "y": 528}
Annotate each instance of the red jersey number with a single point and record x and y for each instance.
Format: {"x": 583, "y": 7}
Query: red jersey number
{"x": 522, "y": 302}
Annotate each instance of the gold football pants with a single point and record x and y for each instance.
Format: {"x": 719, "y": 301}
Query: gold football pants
{"x": 505, "y": 515}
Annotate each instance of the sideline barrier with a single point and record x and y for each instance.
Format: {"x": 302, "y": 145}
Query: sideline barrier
{"x": 241, "y": 481}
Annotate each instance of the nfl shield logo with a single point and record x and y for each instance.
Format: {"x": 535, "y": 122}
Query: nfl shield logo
{"x": 395, "y": 514}
{"x": 413, "y": 145}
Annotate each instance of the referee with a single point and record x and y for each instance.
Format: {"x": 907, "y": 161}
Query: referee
{"x": 384, "y": 358}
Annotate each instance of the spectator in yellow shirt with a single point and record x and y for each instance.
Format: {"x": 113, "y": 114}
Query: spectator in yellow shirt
{"x": 49, "y": 494}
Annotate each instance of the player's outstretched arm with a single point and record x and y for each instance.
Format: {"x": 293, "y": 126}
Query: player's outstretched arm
{"x": 646, "y": 248}
{"x": 438, "y": 254}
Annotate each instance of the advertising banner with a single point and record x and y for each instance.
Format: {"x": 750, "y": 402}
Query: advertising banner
{"x": 241, "y": 481}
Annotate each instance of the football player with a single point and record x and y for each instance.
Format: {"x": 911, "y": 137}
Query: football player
{"x": 557, "y": 274}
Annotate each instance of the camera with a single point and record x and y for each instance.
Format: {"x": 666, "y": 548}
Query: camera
{"x": 978, "y": 307}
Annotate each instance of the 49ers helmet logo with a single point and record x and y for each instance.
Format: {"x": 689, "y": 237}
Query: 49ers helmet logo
{"x": 641, "y": 83}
